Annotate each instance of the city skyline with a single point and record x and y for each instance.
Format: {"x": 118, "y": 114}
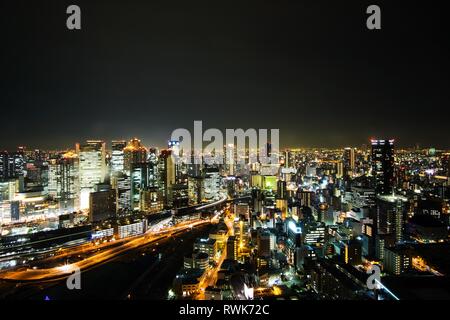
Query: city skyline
{"x": 248, "y": 152}
{"x": 365, "y": 145}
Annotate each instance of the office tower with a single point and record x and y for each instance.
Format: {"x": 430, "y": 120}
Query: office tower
{"x": 398, "y": 259}
{"x": 353, "y": 252}
{"x": 4, "y": 165}
{"x": 314, "y": 233}
{"x": 195, "y": 190}
{"x": 92, "y": 158}
{"x": 180, "y": 195}
{"x": 349, "y": 161}
{"x": 383, "y": 165}
{"x": 151, "y": 200}
{"x": 139, "y": 179}
{"x": 257, "y": 199}
{"x": 7, "y": 203}
{"x": 134, "y": 153}
{"x": 19, "y": 162}
{"x": 230, "y": 159}
{"x": 117, "y": 155}
{"x": 305, "y": 197}
{"x": 263, "y": 240}
{"x": 12, "y": 165}
{"x": 390, "y": 216}
{"x": 339, "y": 169}
{"x": 232, "y": 248}
{"x": 153, "y": 176}
{"x": 54, "y": 178}
{"x": 102, "y": 203}
{"x": 294, "y": 233}
{"x": 281, "y": 189}
{"x": 212, "y": 183}
{"x": 287, "y": 159}
{"x": 63, "y": 181}
{"x": 208, "y": 246}
{"x": 121, "y": 183}
{"x": 181, "y": 160}
{"x": 196, "y": 260}
{"x": 166, "y": 170}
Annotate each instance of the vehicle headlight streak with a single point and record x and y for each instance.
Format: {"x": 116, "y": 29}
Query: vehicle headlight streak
{"x": 386, "y": 289}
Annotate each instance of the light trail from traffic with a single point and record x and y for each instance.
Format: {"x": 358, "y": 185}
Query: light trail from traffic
{"x": 55, "y": 273}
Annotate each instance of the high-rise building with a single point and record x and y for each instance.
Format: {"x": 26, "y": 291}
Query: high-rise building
{"x": 117, "y": 155}
{"x": 4, "y": 165}
{"x": 122, "y": 186}
{"x": 196, "y": 260}
{"x": 232, "y": 248}
{"x": 353, "y": 252}
{"x": 339, "y": 169}
{"x": 383, "y": 165}
{"x": 397, "y": 259}
{"x": 139, "y": 181}
{"x": 92, "y": 157}
{"x": 281, "y": 189}
{"x": 7, "y": 203}
{"x": 349, "y": 161}
{"x": 134, "y": 153}
{"x": 153, "y": 176}
{"x": 151, "y": 200}
{"x": 212, "y": 184}
{"x": 102, "y": 203}
{"x": 180, "y": 195}
{"x": 166, "y": 170}
{"x": 257, "y": 200}
{"x": 263, "y": 243}
{"x": 390, "y": 216}
{"x": 206, "y": 245}
{"x": 314, "y": 233}
{"x": 19, "y": 162}
{"x": 195, "y": 190}
{"x": 63, "y": 181}
{"x": 305, "y": 197}
{"x": 12, "y": 164}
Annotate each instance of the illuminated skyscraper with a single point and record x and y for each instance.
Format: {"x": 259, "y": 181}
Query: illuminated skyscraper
{"x": 122, "y": 185}
{"x": 19, "y": 161}
{"x": 12, "y": 164}
{"x": 166, "y": 170}
{"x": 139, "y": 182}
{"x": 153, "y": 175}
{"x": 134, "y": 153}
{"x": 117, "y": 156}
{"x": 92, "y": 157}
{"x": 383, "y": 165}
{"x": 339, "y": 169}
{"x": 7, "y": 203}
{"x": 349, "y": 161}
{"x": 212, "y": 184}
{"x": 151, "y": 200}
{"x": 63, "y": 181}
{"x": 390, "y": 216}
{"x": 4, "y": 165}
{"x": 232, "y": 248}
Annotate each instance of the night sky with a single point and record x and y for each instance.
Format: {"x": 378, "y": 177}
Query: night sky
{"x": 144, "y": 68}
